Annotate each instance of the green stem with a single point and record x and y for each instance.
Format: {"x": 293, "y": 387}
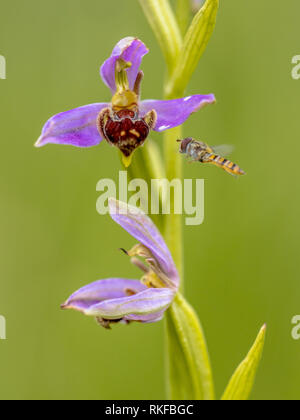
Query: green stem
{"x": 158, "y": 13}
{"x": 189, "y": 373}
{"x": 183, "y": 14}
{"x": 148, "y": 165}
{"x": 174, "y": 170}
{"x": 173, "y": 223}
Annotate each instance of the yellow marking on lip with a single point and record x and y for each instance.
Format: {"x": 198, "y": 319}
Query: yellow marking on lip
{"x": 135, "y": 133}
{"x": 123, "y": 133}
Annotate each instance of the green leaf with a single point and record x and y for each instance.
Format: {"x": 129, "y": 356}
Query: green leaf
{"x": 242, "y": 381}
{"x": 179, "y": 383}
{"x": 194, "y": 45}
{"x": 189, "y": 369}
{"x": 164, "y": 25}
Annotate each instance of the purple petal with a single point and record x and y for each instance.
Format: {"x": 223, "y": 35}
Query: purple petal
{"x": 146, "y": 303}
{"x": 101, "y": 290}
{"x": 129, "y": 49}
{"x": 141, "y": 227}
{"x": 76, "y": 127}
{"x": 147, "y": 319}
{"x": 176, "y": 111}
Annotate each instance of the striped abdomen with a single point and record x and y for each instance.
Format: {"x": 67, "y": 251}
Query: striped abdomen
{"x": 223, "y": 163}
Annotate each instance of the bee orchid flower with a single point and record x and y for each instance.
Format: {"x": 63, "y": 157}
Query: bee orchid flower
{"x": 124, "y": 300}
{"x": 126, "y": 121}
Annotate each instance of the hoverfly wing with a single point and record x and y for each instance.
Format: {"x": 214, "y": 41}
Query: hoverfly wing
{"x": 223, "y": 149}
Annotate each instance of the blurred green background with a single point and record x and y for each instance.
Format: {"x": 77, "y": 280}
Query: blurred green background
{"x": 241, "y": 265}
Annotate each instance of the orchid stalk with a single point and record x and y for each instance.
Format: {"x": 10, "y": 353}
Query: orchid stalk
{"x": 180, "y": 323}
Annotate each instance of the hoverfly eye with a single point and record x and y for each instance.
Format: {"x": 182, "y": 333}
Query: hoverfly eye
{"x": 184, "y": 144}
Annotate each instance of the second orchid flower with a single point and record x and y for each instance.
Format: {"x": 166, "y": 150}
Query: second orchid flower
{"x": 124, "y": 300}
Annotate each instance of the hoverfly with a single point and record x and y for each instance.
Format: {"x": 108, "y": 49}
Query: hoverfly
{"x": 199, "y": 151}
